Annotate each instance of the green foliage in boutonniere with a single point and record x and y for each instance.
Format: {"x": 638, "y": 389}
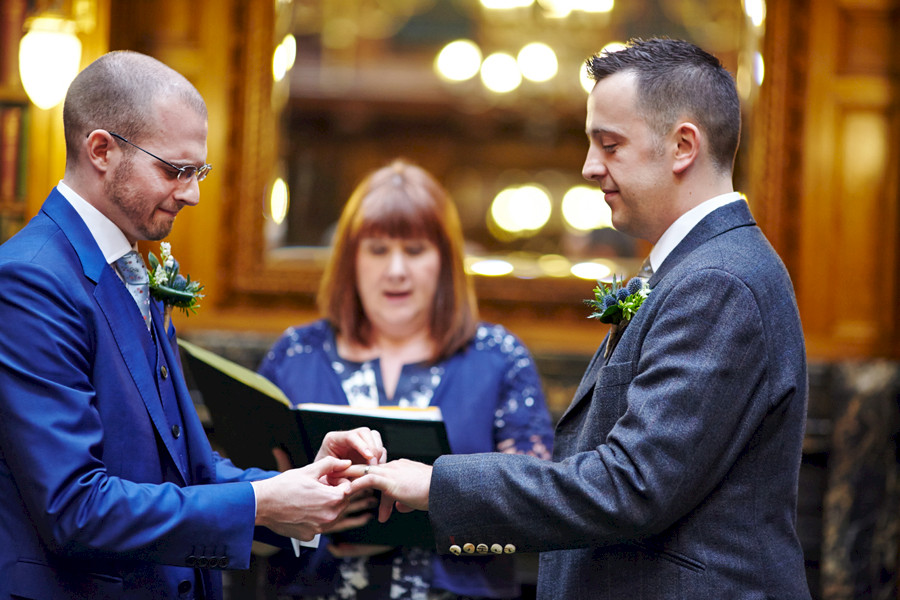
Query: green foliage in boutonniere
{"x": 170, "y": 286}
{"x": 616, "y": 303}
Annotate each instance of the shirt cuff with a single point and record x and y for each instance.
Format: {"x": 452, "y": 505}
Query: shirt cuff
{"x": 313, "y": 543}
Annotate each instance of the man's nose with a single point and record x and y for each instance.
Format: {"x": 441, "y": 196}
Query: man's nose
{"x": 594, "y": 167}
{"x": 188, "y": 193}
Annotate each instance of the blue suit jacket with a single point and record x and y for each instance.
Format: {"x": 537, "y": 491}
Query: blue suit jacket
{"x": 676, "y": 465}
{"x": 95, "y": 500}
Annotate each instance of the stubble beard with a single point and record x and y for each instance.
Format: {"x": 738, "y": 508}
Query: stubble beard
{"x": 133, "y": 204}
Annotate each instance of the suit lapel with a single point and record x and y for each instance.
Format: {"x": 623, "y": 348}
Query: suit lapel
{"x": 723, "y": 219}
{"x": 114, "y": 302}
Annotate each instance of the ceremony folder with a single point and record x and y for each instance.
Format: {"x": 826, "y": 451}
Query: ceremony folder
{"x": 251, "y": 416}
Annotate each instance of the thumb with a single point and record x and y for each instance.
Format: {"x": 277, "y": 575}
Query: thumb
{"x": 327, "y": 465}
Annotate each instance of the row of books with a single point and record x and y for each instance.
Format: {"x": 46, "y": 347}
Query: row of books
{"x": 251, "y": 416}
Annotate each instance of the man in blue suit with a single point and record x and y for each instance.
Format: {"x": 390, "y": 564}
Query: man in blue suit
{"x": 676, "y": 465}
{"x": 108, "y": 485}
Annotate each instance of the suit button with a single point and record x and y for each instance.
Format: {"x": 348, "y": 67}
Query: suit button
{"x": 191, "y": 561}
{"x": 176, "y": 431}
{"x": 184, "y": 587}
{"x": 203, "y": 562}
{"x": 163, "y": 371}
{"x": 223, "y": 562}
{"x": 469, "y": 548}
{"x": 481, "y": 549}
{"x": 496, "y": 548}
{"x": 509, "y": 549}
{"x": 454, "y": 549}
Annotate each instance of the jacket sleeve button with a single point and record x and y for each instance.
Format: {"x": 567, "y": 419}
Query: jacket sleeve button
{"x": 509, "y": 549}
{"x": 496, "y": 548}
{"x": 482, "y": 549}
{"x": 469, "y": 548}
{"x": 454, "y": 549}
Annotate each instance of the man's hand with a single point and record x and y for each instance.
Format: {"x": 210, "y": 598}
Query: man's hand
{"x": 299, "y": 503}
{"x": 402, "y": 482}
{"x": 361, "y": 445}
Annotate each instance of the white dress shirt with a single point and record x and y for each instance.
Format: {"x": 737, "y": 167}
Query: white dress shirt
{"x": 684, "y": 224}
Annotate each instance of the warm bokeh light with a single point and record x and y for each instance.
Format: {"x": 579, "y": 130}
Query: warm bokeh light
{"x": 587, "y": 83}
{"x": 500, "y": 73}
{"x": 49, "y": 59}
{"x": 759, "y": 68}
{"x": 537, "y": 62}
{"x": 506, "y": 4}
{"x": 554, "y": 265}
{"x": 756, "y": 11}
{"x": 458, "y": 61}
{"x": 523, "y": 208}
{"x": 284, "y": 56}
{"x": 279, "y": 201}
{"x": 584, "y": 209}
{"x": 613, "y": 47}
{"x": 590, "y": 270}
{"x": 593, "y": 6}
{"x": 491, "y": 267}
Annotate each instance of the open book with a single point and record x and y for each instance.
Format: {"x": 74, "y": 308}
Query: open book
{"x": 251, "y": 416}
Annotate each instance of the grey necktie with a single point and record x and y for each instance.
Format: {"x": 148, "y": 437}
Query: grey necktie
{"x": 646, "y": 270}
{"x": 134, "y": 273}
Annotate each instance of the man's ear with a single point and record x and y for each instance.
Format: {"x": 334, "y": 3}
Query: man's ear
{"x": 687, "y": 146}
{"x": 100, "y": 149}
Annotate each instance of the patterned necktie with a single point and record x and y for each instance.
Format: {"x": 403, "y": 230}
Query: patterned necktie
{"x": 646, "y": 270}
{"x": 134, "y": 274}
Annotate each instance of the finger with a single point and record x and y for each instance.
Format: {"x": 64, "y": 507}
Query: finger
{"x": 282, "y": 461}
{"x": 379, "y": 446}
{"x": 385, "y": 508}
{"x": 326, "y": 465}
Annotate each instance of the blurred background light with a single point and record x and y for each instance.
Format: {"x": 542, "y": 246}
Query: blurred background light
{"x": 49, "y": 59}
{"x": 500, "y": 73}
{"x": 279, "y": 201}
{"x": 755, "y": 11}
{"x": 523, "y": 208}
{"x": 491, "y": 267}
{"x": 590, "y": 270}
{"x": 584, "y": 209}
{"x": 506, "y": 4}
{"x": 537, "y": 62}
{"x": 458, "y": 61}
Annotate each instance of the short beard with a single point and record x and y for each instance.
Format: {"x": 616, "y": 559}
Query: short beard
{"x": 130, "y": 203}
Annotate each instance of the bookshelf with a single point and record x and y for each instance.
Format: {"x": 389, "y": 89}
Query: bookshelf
{"x": 14, "y": 113}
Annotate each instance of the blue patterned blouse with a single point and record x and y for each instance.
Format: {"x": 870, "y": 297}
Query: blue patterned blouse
{"x": 491, "y": 400}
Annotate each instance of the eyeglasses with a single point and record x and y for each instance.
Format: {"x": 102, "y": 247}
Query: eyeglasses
{"x": 184, "y": 173}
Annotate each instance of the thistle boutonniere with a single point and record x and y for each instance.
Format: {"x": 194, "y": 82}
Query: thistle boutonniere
{"x": 616, "y": 303}
{"x": 171, "y": 287}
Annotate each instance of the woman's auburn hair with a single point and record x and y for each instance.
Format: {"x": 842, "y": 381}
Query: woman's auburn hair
{"x": 401, "y": 200}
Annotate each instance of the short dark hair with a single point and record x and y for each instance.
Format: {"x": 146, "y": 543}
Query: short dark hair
{"x": 677, "y": 79}
{"x": 401, "y": 200}
{"x": 118, "y": 92}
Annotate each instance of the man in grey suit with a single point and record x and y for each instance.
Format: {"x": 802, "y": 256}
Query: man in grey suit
{"x": 676, "y": 466}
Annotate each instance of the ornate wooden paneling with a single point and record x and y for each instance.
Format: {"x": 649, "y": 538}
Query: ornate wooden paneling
{"x": 847, "y": 282}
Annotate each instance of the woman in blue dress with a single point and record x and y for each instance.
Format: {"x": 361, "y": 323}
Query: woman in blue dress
{"x": 401, "y": 329}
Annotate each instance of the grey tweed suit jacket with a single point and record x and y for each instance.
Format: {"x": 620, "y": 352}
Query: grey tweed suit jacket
{"x": 676, "y": 465}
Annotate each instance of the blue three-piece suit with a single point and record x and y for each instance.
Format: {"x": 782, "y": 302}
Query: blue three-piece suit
{"x": 108, "y": 485}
